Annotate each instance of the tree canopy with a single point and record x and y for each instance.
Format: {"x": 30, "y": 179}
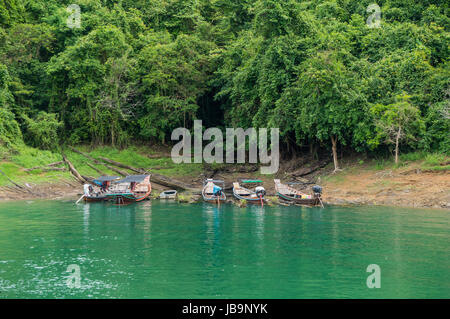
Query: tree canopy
{"x": 134, "y": 70}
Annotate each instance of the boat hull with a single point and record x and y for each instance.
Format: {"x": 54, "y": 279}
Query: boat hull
{"x": 168, "y": 195}
{"x": 302, "y": 201}
{"x": 256, "y": 200}
{"x": 207, "y": 192}
{"x": 222, "y": 198}
{"x": 94, "y": 199}
{"x": 127, "y": 198}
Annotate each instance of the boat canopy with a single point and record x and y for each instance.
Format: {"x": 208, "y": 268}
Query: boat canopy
{"x": 214, "y": 180}
{"x": 132, "y": 179}
{"x": 248, "y": 181}
{"x": 106, "y": 178}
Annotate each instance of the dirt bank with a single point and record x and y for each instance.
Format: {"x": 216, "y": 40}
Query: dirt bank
{"x": 54, "y": 190}
{"x": 390, "y": 188}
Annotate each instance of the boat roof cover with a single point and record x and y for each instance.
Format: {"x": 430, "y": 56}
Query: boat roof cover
{"x": 106, "y": 178}
{"x": 214, "y": 180}
{"x": 251, "y": 181}
{"x": 133, "y": 179}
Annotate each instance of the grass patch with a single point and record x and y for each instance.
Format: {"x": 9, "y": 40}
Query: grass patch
{"x": 412, "y": 156}
{"x": 135, "y": 156}
{"x": 437, "y": 168}
{"x": 435, "y": 159}
{"x": 334, "y": 178}
{"x": 27, "y": 157}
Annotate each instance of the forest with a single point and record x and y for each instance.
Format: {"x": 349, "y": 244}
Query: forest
{"x": 332, "y": 74}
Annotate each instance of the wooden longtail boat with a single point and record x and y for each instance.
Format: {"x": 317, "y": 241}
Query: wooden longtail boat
{"x": 290, "y": 194}
{"x": 212, "y": 192}
{"x": 102, "y": 184}
{"x": 133, "y": 188}
{"x": 252, "y": 196}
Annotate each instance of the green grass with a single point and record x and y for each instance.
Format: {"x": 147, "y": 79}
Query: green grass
{"x": 412, "y": 156}
{"x": 133, "y": 156}
{"x": 27, "y": 157}
{"x": 435, "y": 159}
{"x": 429, "y": 161}
{"x": 438, "y": 168}
{"x": 335, "y": 178}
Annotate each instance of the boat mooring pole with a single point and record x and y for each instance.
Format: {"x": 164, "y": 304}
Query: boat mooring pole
{"x": 79, "y": 199}
{"x": 320, "y": 200}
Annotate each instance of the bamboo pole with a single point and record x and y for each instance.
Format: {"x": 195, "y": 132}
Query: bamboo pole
{"x": 118, "y": 171}
{"x": 56, "y": 163}
{"x": 156, "y": 178}
{"x": 73, "y": 170}
{"x": 122, "y": 173}
{"x": 118, "y": 164}
{"x": 96, "y": 169}
{"x": 47, "y": 169}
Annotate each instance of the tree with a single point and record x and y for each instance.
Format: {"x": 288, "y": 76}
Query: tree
{"x": 330, "y": 103}
{"x": 397, "y": 123}
{"x": 80, "y": 76}
{"x": 172, "y": 75}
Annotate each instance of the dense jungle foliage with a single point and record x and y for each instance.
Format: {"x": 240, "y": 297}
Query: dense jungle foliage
{"x": 131, "y": 71}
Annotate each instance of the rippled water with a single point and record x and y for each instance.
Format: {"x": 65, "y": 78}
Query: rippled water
{"x": 168, "y": 250}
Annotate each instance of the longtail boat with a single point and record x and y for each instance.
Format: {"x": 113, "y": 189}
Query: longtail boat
{"x": 212, "y": 192}
{"x": 97, "y": 192}
{"x": 249, "y": 195}
{"x": 133, "y": 188}
{"x": 290, "y": 194}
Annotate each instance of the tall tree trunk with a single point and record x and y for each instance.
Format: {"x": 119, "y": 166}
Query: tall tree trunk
{"x": 334, "y": 149}
{"x": 397, "y": 138}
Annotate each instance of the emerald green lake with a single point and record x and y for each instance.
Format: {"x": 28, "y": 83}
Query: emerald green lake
{"x": 162, "y": 249}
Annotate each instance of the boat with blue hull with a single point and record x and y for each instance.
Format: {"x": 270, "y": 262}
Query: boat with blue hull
{"x": 213, "y": 191}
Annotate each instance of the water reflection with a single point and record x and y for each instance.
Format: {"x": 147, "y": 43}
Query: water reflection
{"x": 86, "y": 218}
{"x": 168, "y": 250}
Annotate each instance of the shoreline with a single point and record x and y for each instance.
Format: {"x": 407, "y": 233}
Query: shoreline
{"x": 72, "y": 191}
{"x": 418, "y": 183}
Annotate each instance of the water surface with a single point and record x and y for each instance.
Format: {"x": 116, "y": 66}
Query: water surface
{"x": 167, "y": 250}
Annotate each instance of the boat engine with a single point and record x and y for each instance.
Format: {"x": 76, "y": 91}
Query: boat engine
{"x": 317, "y": 189}
{"x": 217, "y": 191}
{"x": 260, "y": 191}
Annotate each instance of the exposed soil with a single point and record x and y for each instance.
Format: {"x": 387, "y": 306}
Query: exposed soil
{"x": 56, "y": 190}
{"x": 389, "y": 188}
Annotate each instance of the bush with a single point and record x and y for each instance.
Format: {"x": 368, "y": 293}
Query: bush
{"x": 42, "y": 132}
{"x": 438, "y": 127}
{"x": 435, "y": 159}
{"x": 10, "y": 134}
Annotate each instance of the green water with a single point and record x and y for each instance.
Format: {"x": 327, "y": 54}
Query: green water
{"x": 168, "y": 250}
